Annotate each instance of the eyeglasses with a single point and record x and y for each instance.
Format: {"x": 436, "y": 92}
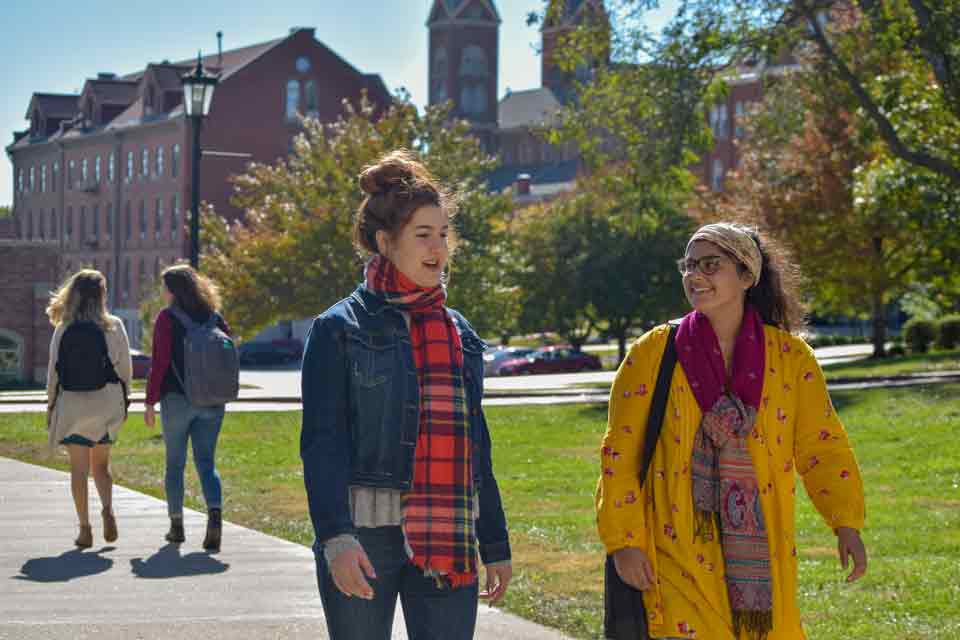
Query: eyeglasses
{"x": 707, "y": 265}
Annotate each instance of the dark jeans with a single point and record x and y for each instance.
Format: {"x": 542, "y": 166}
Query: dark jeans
{"x": 431, "y": 613}
{"x": 201, "y": 426}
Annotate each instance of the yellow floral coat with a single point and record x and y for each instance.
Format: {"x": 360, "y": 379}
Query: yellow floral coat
{"x": 797, "y": 431}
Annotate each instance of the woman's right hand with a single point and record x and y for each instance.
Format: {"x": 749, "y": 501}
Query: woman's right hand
{"x": 634, "y": 567}
{"x": 350, "y": 570}
{"x": 150, "y": 416}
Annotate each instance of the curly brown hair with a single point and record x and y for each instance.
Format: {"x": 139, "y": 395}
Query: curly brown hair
{"x": 777, "y": 296}
{"x": 395, "y": 186}
{"x": 193, "y": 292}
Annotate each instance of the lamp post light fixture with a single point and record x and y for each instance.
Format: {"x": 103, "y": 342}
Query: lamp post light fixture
{"x": 198, "y": 89}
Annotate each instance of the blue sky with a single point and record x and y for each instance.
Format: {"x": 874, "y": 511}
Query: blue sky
{"x": 54, "y": 49}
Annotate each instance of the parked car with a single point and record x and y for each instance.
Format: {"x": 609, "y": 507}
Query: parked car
{"x": 494, "y": 358}
{"x": 266, "y": 353}
{"x": 141, "y": 363}
{"x": 554, "y": 359}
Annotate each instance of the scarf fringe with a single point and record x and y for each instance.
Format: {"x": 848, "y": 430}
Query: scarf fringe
{"x": 704, "y": 525}
{"x": 757, "y": 624}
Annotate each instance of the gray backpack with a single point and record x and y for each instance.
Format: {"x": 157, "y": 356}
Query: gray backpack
{"x": 211, "y": 364}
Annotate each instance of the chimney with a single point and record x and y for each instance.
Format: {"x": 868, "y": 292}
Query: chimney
{"x": 106, "y": 75}
{"x": 522, "y": 185}
{"x": 220, "y": 49}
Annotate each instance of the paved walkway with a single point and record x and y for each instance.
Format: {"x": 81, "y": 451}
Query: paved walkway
{"x": 258, "y": 588}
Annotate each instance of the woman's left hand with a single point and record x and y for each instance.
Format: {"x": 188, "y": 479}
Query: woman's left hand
{"x": 498, "y": 577}
{"x": 849, "y": 544}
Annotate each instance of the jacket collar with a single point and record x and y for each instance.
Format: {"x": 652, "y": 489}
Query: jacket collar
{"x": 369, "y": 301}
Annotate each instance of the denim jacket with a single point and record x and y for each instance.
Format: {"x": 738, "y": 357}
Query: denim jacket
{"x": 361, "y": 415}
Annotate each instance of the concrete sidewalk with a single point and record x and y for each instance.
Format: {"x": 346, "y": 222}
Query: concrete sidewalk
{"x": 259, "y": 587}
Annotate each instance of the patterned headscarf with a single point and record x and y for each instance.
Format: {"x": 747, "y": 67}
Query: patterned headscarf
{"x": 736, "y": 240}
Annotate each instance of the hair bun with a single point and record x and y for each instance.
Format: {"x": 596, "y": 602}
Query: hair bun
{"x": 396, "y": 169}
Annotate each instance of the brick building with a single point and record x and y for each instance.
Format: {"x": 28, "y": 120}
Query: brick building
{"x": 104, "y": 176}
{"x": 29, "y": 274}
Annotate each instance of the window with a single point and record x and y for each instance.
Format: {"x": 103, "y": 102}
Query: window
{"x": 143, "y": 220}
{"x": 109, "y": 224}
{"x": 175, "y": 160}
{"x": 68, "y": 231}
{"x": 740, "y": 114}
{"x": 128, "y": 223}
{"x": 174, "y": 217}
{"x": 71, "y": 172}
{"x": 55, "y": 176}
{"x": 159, "y": 170}
{"x": 717, "y": 179}
{"x": 126, "y": 278}
{"x": 145, "y": 163}
{"x": 97, "y": 175}
{"x": 112, "y": 167}
{"x": 473, "y": 99}
{"x": 108, "y": 272}
{"x": 29, "y": 225}
{"x": 53, "y": 224}
{"x": 96, "y": 222}
{"x": 129, "y": 166}
{"x": 156, "y": 269}
{"x": 718, "y": 121}
{"x": 41, "y": 226}
{"x": 43, "y": 178}
{"x": 20, "y": 180}
{"x": 293, "y": 99}
{"x": 158, "y": 220}
{"x": 84, "y": 170}
{"x": 32, "y": 184}
{"x": 473, "y": 62}
{"x": 82, "y": 231}
{"x": 142, "y": 275}
{"x": 310, "y": 98}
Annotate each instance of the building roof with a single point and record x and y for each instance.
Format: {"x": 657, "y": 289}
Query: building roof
{"x": 112, "y": 91}
{"x": 443, "y": 10}
{"x": 530, "y": 108}
{"x": 54, "y": 105}
{"x": 227, "y": 63}
{"x": 541, "y": 175}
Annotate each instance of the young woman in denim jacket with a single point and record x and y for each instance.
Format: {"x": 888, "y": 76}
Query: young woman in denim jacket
{"x": 395, "y": 447}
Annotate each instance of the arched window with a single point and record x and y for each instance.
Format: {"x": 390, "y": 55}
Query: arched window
{"x": 293, "y": 99}
{"x": 158, "y": 220}
{"x": 473, "y": 62}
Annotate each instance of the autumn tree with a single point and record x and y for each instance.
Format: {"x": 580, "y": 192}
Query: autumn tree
{"x": 291, "y": 255}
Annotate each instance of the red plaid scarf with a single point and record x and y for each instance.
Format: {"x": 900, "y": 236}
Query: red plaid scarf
{"x": 438, "y": 518}
{"x": 724, "y": 481}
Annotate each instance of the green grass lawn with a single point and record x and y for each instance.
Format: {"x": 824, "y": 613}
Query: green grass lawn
{"x": 546, "y": 461}
{"x": 877, "y": 367}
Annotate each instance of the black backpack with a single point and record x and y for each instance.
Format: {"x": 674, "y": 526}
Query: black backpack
{"x": 83, "y": 360}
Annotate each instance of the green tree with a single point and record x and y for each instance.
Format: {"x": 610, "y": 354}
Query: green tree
{"x": 291, "y": 255}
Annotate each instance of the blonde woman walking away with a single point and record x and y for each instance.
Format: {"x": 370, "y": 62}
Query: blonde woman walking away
{"x": 87, "y": 380}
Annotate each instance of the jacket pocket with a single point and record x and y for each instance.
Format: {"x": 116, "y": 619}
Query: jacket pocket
{"x": 372, "y": 363}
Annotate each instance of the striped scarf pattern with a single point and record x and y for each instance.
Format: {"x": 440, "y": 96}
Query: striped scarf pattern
{"x": 726, "y": 494}
{"x": 438, "y": 519}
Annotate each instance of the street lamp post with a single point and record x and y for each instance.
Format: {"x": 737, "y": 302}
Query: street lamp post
{"x": 197, "y": 95}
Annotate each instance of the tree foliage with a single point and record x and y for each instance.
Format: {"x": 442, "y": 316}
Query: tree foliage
{"x": 292, "y": 256}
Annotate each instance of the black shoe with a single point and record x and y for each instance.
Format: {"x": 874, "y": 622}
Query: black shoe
{"x": 214, "y": 530}
{"x": 176, "y": 535}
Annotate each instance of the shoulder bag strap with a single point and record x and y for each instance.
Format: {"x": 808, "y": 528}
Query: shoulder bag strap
{"x": 658, "y": 405}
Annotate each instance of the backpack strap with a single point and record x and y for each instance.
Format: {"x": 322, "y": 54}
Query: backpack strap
{"x": 182, "y": 316}
{"x": 658, "y": 405}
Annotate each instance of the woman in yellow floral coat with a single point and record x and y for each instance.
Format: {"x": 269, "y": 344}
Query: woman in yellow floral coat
{"x": 710, "y": 536}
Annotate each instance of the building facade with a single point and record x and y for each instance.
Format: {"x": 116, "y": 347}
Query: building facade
{"x": 104, "y": 176}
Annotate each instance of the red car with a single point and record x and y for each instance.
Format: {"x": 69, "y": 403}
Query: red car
{"x": 141, "y": 364}
{"x": 556, "y": 359}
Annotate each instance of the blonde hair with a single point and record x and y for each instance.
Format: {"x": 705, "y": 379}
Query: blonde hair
{"x": 81, "y": 298}
{"x": 193, "y": 292}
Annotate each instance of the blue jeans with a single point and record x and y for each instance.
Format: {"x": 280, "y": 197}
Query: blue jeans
{"x": 431, "y": 613}
{"x": 201, "y": 425}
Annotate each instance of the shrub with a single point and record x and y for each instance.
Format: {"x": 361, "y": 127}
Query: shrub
{"x": 919, "y": 334}
{"x": 948, "y": 332}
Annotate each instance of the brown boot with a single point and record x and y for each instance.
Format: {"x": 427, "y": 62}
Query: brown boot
{"x": 109, "y": 527}
{"x": 85, "y": 539}
{"x": 214, "y": 530}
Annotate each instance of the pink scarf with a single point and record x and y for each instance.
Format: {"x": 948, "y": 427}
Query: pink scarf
{"x": 725, "y": 489}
